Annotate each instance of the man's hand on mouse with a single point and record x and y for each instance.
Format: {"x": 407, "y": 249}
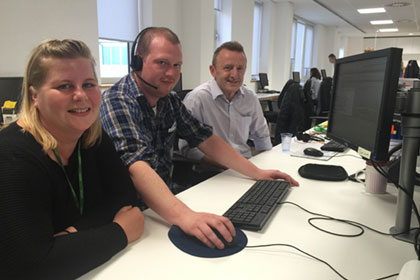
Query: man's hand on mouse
{"x": 201, "y": 226}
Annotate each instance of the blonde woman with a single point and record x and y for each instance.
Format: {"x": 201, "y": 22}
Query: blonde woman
{"x": 65, "y": 197}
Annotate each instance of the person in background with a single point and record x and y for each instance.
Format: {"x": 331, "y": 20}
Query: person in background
{"x": 142, "y": 117}
{"x": 315, "y": 78}
{"x": 230, "y": 108}
{"x": 65, "y": 203}
{"x": 332, "y": 58}
{"x": 412, "y": 69}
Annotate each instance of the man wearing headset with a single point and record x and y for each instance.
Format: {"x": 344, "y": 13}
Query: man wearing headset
{"x": 142, "y": 116}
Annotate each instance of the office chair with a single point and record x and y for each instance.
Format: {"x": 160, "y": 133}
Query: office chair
{"x": 271, "y": 116}
{"x": 295, "y": 111}
{"x": 188, "y": 172}
{"x": 323, "y": 102}
{"x": 183, "y": 93}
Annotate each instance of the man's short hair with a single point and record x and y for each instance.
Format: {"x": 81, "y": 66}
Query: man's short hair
{"x": 332, "y": 56}
{"x": 143, "y": 44}
{"x": 231, "y": 46}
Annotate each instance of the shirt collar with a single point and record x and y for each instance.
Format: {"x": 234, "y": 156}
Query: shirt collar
{"x": 216, "y": 91}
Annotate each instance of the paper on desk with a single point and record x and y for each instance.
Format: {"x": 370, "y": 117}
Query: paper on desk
{"x": 327, "y": 155}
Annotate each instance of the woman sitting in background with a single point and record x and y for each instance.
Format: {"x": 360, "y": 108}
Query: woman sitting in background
{"x": 65, "y": 202}
{"x": 315, "y": 77}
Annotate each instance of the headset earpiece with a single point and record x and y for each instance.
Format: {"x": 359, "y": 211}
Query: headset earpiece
{"x": 136, "y": 63}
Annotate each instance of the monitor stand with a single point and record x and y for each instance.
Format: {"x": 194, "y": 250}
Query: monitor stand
{"x": 407, "y": 177}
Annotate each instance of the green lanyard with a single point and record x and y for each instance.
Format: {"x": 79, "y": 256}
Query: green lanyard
{"x": 78, "y": 201}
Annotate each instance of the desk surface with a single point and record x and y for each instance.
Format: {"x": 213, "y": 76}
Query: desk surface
{"x": 267, "y": 96}
{"x": 369, "y": 256}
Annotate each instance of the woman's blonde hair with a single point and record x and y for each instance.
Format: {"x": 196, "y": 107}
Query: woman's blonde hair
{"x": 35, "y": 74}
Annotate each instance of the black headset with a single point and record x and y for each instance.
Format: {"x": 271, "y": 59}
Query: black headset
{"x": 136, "y": 62}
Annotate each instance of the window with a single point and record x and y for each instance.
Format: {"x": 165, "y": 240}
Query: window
{"x": 301, "y": 53}
{"x": 113, "y": 56}
{"x": 256, "y": 43}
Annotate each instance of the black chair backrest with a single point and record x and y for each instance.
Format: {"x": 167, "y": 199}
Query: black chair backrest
{"x": 295, "y": 110}
{"x": 283, "y": 91}
{"x": 324, "y": 96}
{"x": 183, "y": 93}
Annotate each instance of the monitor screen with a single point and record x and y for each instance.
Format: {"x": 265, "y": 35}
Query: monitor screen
{"x": 296, "y": 77}
{"x": 263, "y": 80}
{"x": 323, "y": 74}
{"x": 363, "y": 101}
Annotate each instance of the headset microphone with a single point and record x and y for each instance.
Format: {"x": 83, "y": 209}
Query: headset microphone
{"x": 144, "y": 81}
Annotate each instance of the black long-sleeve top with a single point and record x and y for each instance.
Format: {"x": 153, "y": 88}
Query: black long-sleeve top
{"x": 36, "y": 202}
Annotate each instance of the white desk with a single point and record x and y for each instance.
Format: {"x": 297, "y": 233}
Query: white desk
{"x": 369, "y": 256}
{"x": 268, "y": 96}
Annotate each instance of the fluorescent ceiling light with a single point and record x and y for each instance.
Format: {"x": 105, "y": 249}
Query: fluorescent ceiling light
{"x": 371, "y": 10}
{"x": 388, "y": 30}
{"x": 378, "y": 22}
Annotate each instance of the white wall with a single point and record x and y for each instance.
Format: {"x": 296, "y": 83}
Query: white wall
{"x": 24, "y": 24}
{"x": 163, "y": 13}
{"x": 354, "y": 46}
{"x": 321, "y": 49}
{"x": 279, "y": 63}
{"x": 242, "y": 27}
{"x": 197, "y": 41}
{"x": 410, "y": 46}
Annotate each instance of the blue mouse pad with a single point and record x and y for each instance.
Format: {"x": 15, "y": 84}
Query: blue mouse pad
{"x": 191, "y": 245}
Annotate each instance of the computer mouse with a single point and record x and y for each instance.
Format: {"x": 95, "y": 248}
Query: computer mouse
{"x": 226, "y": 243}
{"x": 313, "y": 152}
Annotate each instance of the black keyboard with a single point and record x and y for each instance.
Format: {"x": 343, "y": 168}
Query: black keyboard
{"x": 334, "y": 147}
{"x": 252, "y": 210}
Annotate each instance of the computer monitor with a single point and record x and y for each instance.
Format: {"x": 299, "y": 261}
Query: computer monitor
{"x": 296, "y": 76}
{"x": 178, "y": 86}
{"x": 10, "y": 89}
{"x": 323, "y": 74}
{"x": 263, "y": 80}
{"x": 363, "y": 101}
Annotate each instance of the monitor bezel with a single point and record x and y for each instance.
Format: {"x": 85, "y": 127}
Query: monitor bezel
{"x": 383, "y": 133}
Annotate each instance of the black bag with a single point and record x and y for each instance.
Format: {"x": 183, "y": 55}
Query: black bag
{"x": 323, "y": 172}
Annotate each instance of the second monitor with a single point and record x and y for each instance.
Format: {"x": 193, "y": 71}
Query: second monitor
{"x": 263, "y": 80}
{"x": 296, "y": 76}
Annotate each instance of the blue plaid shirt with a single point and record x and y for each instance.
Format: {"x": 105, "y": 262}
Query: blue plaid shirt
{"x": 139, "y": 134}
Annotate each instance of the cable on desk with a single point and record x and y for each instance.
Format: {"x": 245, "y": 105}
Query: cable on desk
{"x": 296, "y": 248}
{"x": 389, "y": 276}
{"x": 355, "y": 176}
{"x": 346, "y": 155}
{"x": 314, "y": 257}
{"x": 352, "y": 223}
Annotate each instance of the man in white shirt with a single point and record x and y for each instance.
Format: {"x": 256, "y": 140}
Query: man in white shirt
{"x": 230, "y": 108}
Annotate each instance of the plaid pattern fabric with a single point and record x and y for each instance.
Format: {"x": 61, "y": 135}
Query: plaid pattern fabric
{"x": 139, "y": 133}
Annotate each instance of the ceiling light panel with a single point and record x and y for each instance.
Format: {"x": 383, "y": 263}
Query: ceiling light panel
{"x": 388, "y": 30}
{"x": 379, "y": 22}
{"x": 371, "y": 11}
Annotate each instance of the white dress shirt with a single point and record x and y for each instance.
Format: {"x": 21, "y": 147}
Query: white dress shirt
{"x": 235, "y": 121}
{"x": 315, "y": 85}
